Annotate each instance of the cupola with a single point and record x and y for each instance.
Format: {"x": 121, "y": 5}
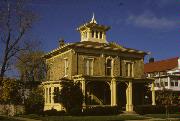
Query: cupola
{"x": 92, "y": 31}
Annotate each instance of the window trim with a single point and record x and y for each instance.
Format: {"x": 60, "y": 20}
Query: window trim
{"x": 90, "y": 69}
{"x": 66, "y": 67}
{"x": 130, "y": 65}
{"x": 112, "y": 62}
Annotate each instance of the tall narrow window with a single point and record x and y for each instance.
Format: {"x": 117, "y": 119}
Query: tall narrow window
{"x": 92, "y": 34}
{"x": 89, "y": 67}
{"x": 129, "y": 69}
{"x": 65, "y": 67}
{"x": 56, "y": 90}
{"x": 109, "y": 67}
{"x": 96, "y": 34}
{"x": 50, "y": 95}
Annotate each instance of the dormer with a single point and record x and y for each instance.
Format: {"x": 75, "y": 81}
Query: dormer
{"x": 94, "y": 32}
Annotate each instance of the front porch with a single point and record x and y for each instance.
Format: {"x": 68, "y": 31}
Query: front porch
{"x": 123, "y": 92}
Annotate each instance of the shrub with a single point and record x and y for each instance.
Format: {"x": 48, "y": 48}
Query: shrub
{"x": 75, "y": 111}
{"x": 35, "y": 101}
{"x": 101, "y": 111}
{"x": 54, "y": 112}
{"x": 155, "y": 109}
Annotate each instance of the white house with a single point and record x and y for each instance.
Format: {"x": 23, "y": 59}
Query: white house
{"x": 165, "y": 72}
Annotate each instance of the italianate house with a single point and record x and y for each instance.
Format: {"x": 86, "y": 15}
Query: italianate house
{"x": 110, "y": 74}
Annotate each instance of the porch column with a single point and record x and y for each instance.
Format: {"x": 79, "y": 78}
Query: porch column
{"x": 129, "y": 105}
{"x": 113, "y": 92}
{"x": 83, "y": 87}
{"x": 130, "y": 96}
{"x": 153, "y": 94}
{"x": 169, "y": 83}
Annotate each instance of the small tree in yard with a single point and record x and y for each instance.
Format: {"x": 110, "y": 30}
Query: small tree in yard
{"x": 35, "y": 101}
{"x": 166, "y": 98}
{"x": 70, "y": 96}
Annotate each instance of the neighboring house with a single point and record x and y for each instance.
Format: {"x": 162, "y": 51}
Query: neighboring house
{"x": 110, "y": 74}
{"x": 165, "y": 72}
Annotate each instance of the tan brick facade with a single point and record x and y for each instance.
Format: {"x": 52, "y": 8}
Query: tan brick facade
{"x": 94, "y": 59}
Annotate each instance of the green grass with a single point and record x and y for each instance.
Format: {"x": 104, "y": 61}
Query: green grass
{"x": 86, "y": 118}
{"x": 3, "y": 118}
{"x": 163, "y": 116}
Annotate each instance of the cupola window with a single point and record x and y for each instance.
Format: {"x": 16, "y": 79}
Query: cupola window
{"x": 100, "y": 35}
{"x": 96, "y": 34}
{"x": 92, "y": 34}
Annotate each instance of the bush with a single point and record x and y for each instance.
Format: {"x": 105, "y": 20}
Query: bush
{"x": 34, "y": 104}
{"x": 94, "y": 111}
{"x": 54, "y": 112}
{"x": 155, "y": 109}
{"x": 75, "y": 111}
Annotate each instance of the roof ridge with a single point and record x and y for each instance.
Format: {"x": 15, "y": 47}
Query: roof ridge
{"x": 164, "y": 60}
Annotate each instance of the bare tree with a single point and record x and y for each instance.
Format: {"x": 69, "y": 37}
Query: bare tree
{"x": 15, "y": 22}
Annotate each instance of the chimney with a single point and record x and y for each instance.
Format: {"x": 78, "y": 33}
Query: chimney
{"x": 151, "y": 60}
{"x": 61, "y": 42}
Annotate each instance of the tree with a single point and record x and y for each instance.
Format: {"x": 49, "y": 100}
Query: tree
{"x": 166, "y": 98}
{"x": 35, "y": 101}
{"x": 15, "y": 21}
{"x": 31, "y": 66}
{"x": 70, "y": 96}
{"x": 11, "y": 92}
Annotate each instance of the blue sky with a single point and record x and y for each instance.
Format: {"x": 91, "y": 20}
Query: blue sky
{"x": 149, "y": 25}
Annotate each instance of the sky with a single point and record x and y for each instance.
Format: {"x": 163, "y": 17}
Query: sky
{"x": 148, "y": 25}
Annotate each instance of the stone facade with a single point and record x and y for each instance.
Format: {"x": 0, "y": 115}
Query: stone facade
{"x": 94, "y": 61}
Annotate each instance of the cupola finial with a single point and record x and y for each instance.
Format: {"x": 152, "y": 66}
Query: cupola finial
{"x": 93, "y": 19}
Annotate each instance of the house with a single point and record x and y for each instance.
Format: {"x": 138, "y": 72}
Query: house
{"x": 110, "y": 74}
{"x": 165, "y": 72}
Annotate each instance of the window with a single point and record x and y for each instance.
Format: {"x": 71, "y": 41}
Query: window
{"x": 176, "y": 83}
{"x": 100, "y": 36}
{"x": 46, "y": 95}
{"x": 166, "y": 83}
{"x": 50, "y": 95}
{"x": 157, "y": 84}
{"x": 92, "y": 34}
{"x": 129, "y": 69}
{"x": 65, "y": 67}
{"x": 96, "y": 34}
{"x": 56, "y": 90}
{"x": 89, "y": 66}
{"x": 172, "y": 83}
{"x": 109, "y": 67}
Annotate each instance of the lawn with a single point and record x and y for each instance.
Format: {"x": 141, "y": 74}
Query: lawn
{"x": 86, "y": 118}
{"x": 103, "y": 118}
{"x": 163, "y": 116}
{"x": 3, "y": 118}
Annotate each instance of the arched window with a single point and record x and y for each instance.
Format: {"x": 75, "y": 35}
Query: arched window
{"x": 109, "y": 67}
